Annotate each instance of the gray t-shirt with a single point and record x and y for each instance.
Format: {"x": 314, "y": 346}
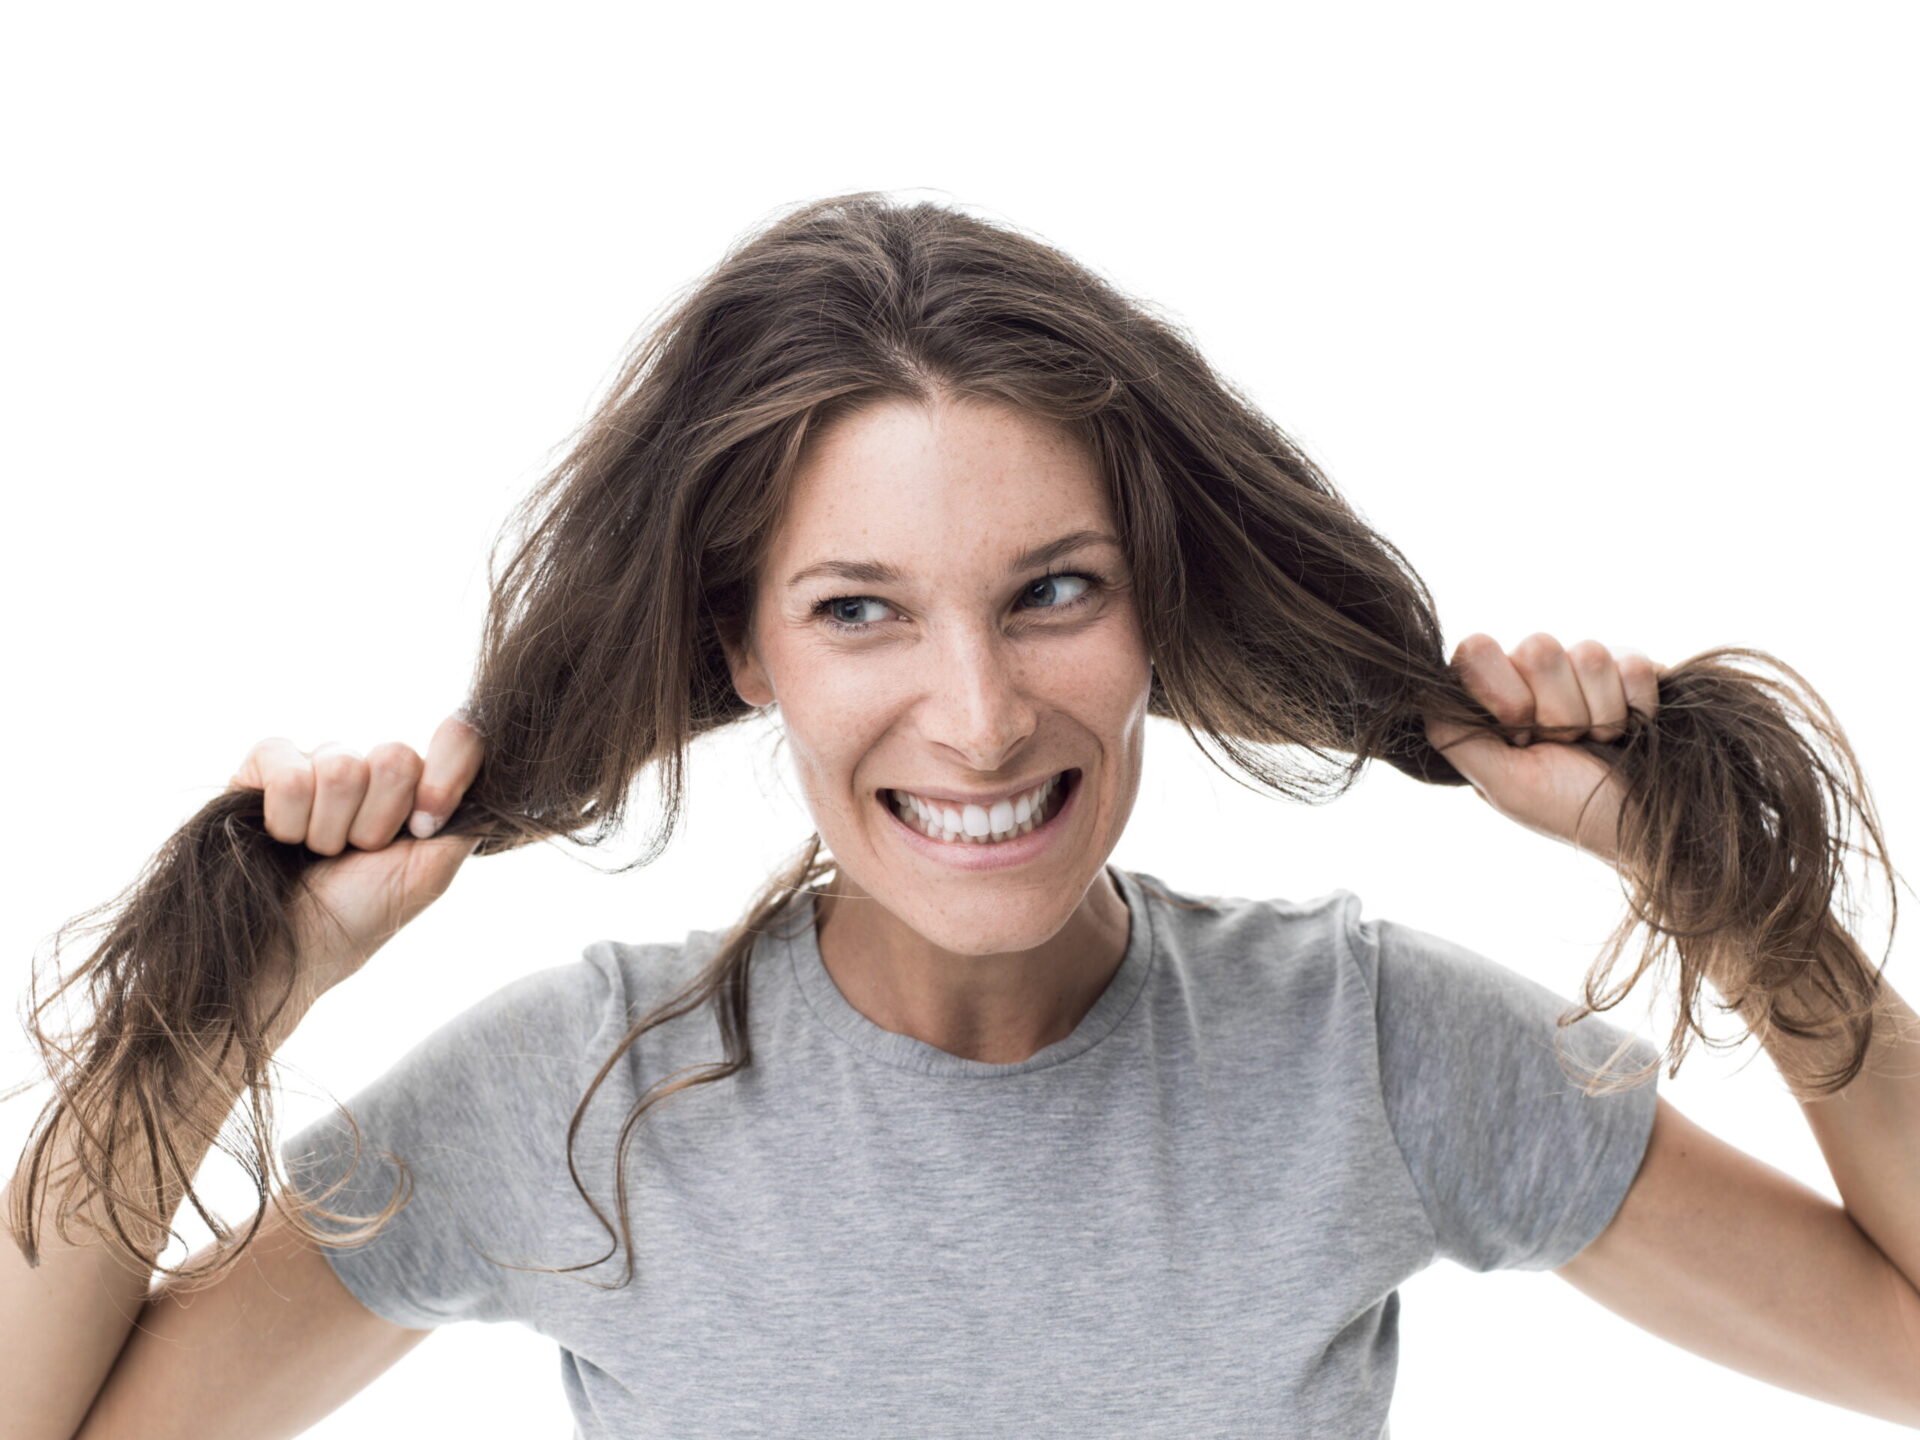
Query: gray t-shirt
{"x": 1187, "y": 1218}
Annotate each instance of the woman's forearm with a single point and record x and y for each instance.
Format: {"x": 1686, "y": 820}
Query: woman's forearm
{"x": 64, "y": 1322}
{"x": 1870, "y": 1131}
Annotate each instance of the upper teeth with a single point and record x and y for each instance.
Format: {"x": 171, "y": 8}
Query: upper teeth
{"x": 978, "y": 824}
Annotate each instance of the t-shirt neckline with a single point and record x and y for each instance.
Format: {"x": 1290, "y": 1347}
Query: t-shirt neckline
{"x": 802, "y": 944}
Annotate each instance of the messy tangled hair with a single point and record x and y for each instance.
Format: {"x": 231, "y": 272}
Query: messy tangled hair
{"x": 1285, "y": 633}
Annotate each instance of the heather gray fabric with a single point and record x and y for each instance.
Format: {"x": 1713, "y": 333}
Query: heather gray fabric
{"x": 1187, "y": 1218}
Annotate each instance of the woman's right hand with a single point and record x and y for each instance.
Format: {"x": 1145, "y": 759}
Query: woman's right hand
{"x": 362, "y": 813}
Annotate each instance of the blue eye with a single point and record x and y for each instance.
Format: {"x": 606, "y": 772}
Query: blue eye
{"x": 825, "y": 607}
{"x": 1053, "y": 582}
{"x": 825, "y": 610}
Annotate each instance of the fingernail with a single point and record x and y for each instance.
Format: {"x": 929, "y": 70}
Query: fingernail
{"x": 422, "y": 825}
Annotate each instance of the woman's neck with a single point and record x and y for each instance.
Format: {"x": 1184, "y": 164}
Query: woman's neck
{"x": 999, "y": 1009}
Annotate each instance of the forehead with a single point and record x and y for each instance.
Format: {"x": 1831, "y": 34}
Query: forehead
{"x": 898, "y": 479}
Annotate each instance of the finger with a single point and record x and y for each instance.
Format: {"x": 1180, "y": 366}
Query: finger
{"x": 1599, "y": 676}
{"x": 281, "y": 771}
{"x": 251, "y": 774}
{"x": 1559, "y": 705}
{"x": 339, "y": 784}
{"x": 1642, "y": 679}
{"x": 1489, "y": 676}
{"x": 453, "y": 759}
{"x": 393, "y": 773}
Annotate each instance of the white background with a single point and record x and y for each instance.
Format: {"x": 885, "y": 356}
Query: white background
{"x": 1605, "y": 317}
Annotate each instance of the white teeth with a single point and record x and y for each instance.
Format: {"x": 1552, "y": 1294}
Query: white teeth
{"x": 978, "y": 824}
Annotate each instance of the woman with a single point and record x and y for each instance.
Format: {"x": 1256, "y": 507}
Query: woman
{"x": 1008, "y": 1137}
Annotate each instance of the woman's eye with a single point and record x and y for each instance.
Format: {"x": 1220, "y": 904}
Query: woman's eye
{"x": 863, "y": 615}
{"x": 849, "y": 615}
{"x": 1053, "y": 582}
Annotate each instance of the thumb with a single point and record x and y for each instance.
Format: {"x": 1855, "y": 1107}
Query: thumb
{"x": 434, "y": 863}
{"x": 1477, "y": 754}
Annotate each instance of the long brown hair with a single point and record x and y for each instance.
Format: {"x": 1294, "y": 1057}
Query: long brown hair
{"x": 1286, "y": 634}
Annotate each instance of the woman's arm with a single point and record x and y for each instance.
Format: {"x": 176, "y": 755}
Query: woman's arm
{"x": 274, "y": 1345}
{"x": 65, "y": 1323}
{"x": 62, "y": 1324}
{"x": 1721, "y": 1254}
{"x": 1711, "y": 1248}
{"x": 1870, "y": 1131}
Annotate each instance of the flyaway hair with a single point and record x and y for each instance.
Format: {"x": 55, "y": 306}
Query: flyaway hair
{"x": 1290, "y": 640}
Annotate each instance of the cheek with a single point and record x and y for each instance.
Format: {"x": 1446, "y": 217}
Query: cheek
{"x": 833, "y": 716}
{"x": 1105, "y": 680}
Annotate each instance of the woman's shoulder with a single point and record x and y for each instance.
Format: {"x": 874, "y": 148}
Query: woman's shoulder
{"x": 1231, "y": 922}
{"x": 1256, "y": 955}
{"x": 645, "y": 964}
{"x": 629, "y": 979}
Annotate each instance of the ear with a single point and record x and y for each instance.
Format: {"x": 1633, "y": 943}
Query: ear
{"x": 749, "y": 676}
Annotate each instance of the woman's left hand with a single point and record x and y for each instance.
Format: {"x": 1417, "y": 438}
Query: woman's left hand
{"x": 1561, "y": 695}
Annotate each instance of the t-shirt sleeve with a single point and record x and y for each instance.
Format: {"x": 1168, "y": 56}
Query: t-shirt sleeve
{"x": 1518, "y": 1168}
{"x": 479, "y": 1110}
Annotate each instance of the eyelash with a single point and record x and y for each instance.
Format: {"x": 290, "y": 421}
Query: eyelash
{"x": 1095, "y": 583}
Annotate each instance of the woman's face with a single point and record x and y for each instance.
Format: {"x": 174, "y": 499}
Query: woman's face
{"x": 918, "y": 643}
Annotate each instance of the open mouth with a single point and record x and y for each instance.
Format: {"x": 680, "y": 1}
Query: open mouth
{"x": 984, "y": 825}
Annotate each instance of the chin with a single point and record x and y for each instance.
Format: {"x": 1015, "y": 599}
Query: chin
{"x": 988, "y": 925}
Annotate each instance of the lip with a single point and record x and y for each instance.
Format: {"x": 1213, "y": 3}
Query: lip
{"x": 1018, "y": 851}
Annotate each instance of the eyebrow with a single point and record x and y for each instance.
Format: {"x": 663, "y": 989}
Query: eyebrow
{"x": 874, "y": 572}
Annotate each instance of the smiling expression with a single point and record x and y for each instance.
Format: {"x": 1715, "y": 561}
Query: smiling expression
{"x": 947, "y": 626}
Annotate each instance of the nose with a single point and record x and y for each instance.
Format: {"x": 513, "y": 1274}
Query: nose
{"x": 978, "y": 705}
